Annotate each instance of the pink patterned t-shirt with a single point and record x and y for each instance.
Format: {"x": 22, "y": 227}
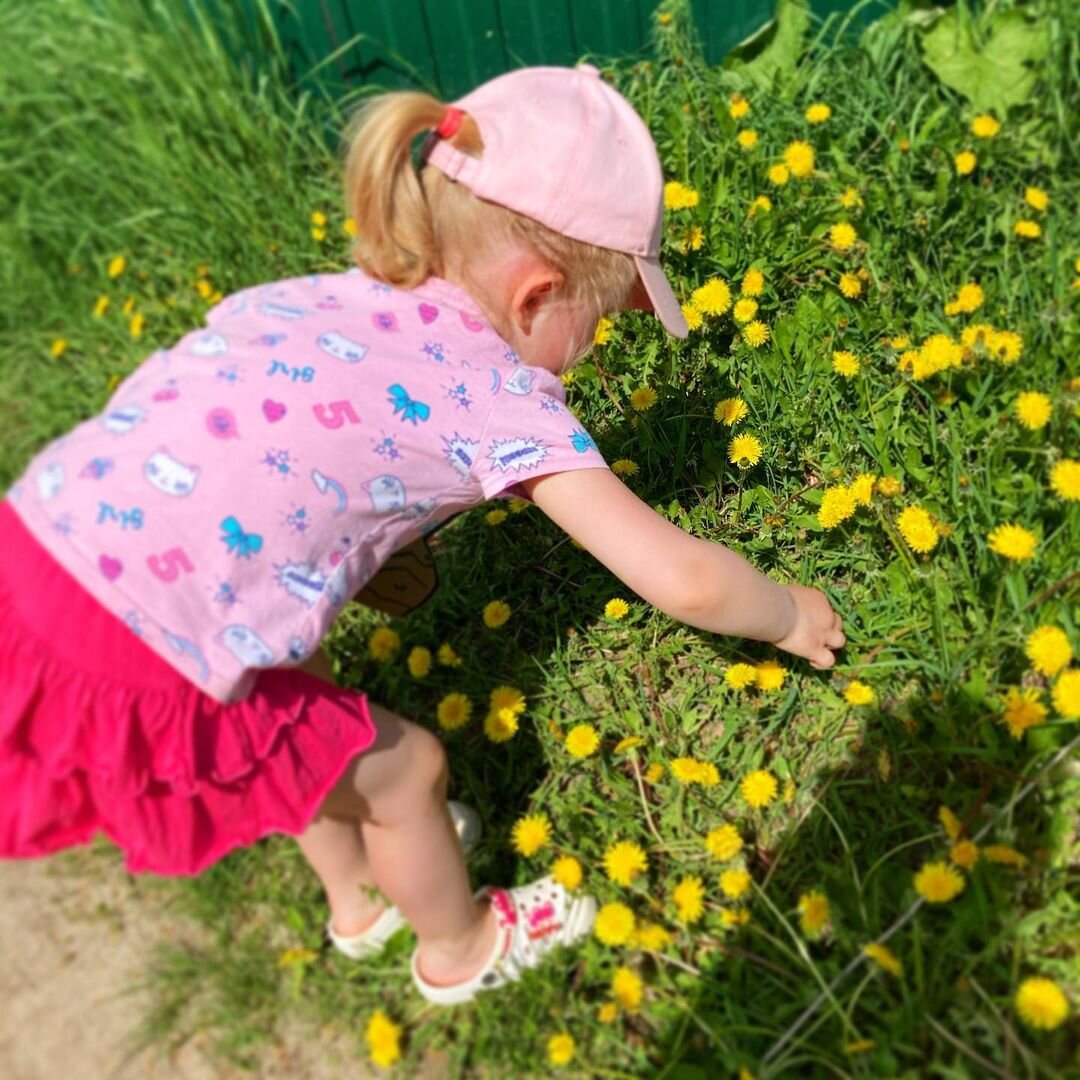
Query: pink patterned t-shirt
{"x": 242, "y": 485}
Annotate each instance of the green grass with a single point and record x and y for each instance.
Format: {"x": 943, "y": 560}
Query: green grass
{"x": 131, "y": 131}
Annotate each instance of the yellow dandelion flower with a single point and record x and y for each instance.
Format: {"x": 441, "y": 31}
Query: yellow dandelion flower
{"x": 560, "y": 1049}
{"x": 758, "y": 788}
{"x": 496, "y": 517}
{"x": 628, "y": 743}
{"x": 348, "y": 226}
{"x": 862, "y": 488}
{"x": 693, "y": 240}
{"x": 624, "y": 467}
{"x": 737, "y": 916}
{"x": 530, "y": 834}
{"x": 734, "y": 883}
{"x": 755, "y": 334}
{"x": 769, "y": 675}
{"x": 850, "y": 285}
{"x": 614, "y": 924}
{"x": 917, "y": 528}
{"x": 1048, "y": 649}
{"x": 745, "y": 309}
{"x": 744, "y": 451}
{"x": 643, "y": 398}
{"x": 842, "y": 236}
{"x": 383, "y": 643}
{"x": 818, "y": 113}
{"x": 627, "y": 988}
{"x": 383, "y": 1037}
{"x": 318, "y": 234}
{"x": 740, "y": 676}
{"x": 1013, "y": 541}
{"x": 116, "y": 266}
{"x": 837, "y": 505}
{"x": 1028, "y": 229}
{"x": 500, "y": 725}
{"x": 419, "y": 661}
{"x": 723, "y": 842}
{"x": 688, "y": 897}
{"x": 616, "y": 609}
{"x": 938, "y": 883}
{"x": 58, "y": 348}
{"x": 858, "y": 693}
{"x": 693, "y": 317}
{"x": 747, "y": 138}
{"x": 582, "y": 740}
{"x": 799, "y": 158}
{"x": 447, "y": 657}
{"x": 884, "y": 958}
{"x": 1065, "y": 479}
{"x": 1005, "y": 346}
{"x": 950, "y": 823}
{"x": 607, "y": 1013}
{"x": 849, "y": 198}
{"x": 985, "y": 126}
{"x": 453, "y": 711}
{"x": 624, "y": 861}
{"x": 965, "y": 163}
{"x": 779, "y": 175}
{"x": 888, "y": 486}
{"x": 101, "y": 306}
{"x": 566, "y": 870}
{"x": 813, "y": 913}
{"x": 1066, "y": 694}
{"x": 1041, "y": 1003}
{"x": 1004, "y": 855}
{"x": 495, "y": 614}
{"x": 602, "y": 333}
{"x": 730, "y": 411}
{"x": 845, "y": 363}
{"x": 1033, "y": 410}
{"x": 137, "y": 325}
{"x": 653, "y": 937}
{"x": 964, "y": 854}
{"x": 678, "y": 196}
{"x": 654, "y": 772}
{"x": 753, "y": 283}
{"x": 1036, "y": 198}
{"x": 712, "y": 298}
{"x": 738, "y": 107}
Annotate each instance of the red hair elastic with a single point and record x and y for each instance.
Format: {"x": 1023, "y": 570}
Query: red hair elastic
{"x": 450, "y": 124}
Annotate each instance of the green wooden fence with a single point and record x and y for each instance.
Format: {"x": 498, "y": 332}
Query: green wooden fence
{"x": 449, "y": 46}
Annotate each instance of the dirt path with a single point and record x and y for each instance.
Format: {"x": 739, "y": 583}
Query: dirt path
{"x": 72, "y": 935}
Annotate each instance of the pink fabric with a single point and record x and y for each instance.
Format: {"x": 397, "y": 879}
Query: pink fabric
{"x": 242, "y": 485}
{"x": 99, "y": 734}
{"x": 564, "y": 148}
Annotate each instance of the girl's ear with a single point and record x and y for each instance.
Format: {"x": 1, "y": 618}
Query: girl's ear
{"x": 530, "y": 293}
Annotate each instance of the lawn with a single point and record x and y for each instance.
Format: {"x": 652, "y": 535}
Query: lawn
{"x": 875, "y": 233}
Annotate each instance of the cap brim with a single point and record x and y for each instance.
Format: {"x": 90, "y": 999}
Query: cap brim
{"x": 665, "y": 305}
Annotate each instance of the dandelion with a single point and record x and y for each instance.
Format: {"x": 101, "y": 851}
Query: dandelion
{"x": 964, "y": 854}
{"x": 560, "y": 1049}
{"x": 116, "y": 266}
{"x": 566, "y": 870}
{"x": 693, "y": 317}
{"x": 858, "y": 693}
{"x": 1041, "y": 1003}
{"x": 950, "y": 823}
{"x": 965, "y": 163}
{"x": 136, "y": 325}
{"x": 747, "y": 138}
{"x": 799, "y": 158}
{"x": 862, "y": 488}
{"x": 624, "y": 861}
{"x": 496, "y": 517}
{"x": 643, "y": 398}
{"x": 685, "y": 770}
{"x": 779, "y": 175}
{"x": 688, "y": 896}
{"x": 447, "y": 657}
{"x": 842, "y": 236}
{"x": 1027, "y": 229}
{"x": 769, "y": 675}
{"x": 985, "y": 126}
{"x": 723, "y": 842}
{"x": 837, "y": 505}
{"x": 758, "y": 788}
{"x": 383, "y": 644}
{"x": 58, "y": 348}
{"x": 616, "y": 609}
{"x": 582, "y": 740}
{"x": 607, "y": 1013}
{"x": 496, "y": 613}
{"x": 730, "y": 411}
{"x": 744, "y": 451}
{"x": 753, "y": 283}
{"x": 1048, "y": 649}
{"x": 1004, "y": 855}
{"x": 624, "y": 467}
{"x": 101, "y": 306}
{"x": 745, "y": 309}
{"x": 530, "y": 834}
{"x": 507, "y": 697}
{"x": 614, "y": 924}
{"x": 738, "y": 107}
{"x": 734, "y": 883}
{"x": 712, "y": 298}
{"x": 969, "y": 298}
{"x": 813, "y": 913}
{"x": 938, "y": 883}
{"x": 500, "y": 725}
{"x": 678, "y": 196}
{"x": 884, "y": 958}
{"x": 1036, "y": 198}
{"x": 1033, "y": 410}
{"x": 850, "y": 198}
{"x": 348, "y": 226}
{"x": 318, "y": 233}
{"x": 1066, "y": 694}
{"x": 845, "y": 363}
{"x": 654, "y": 772}
{"x": 1065, "y": 479}
{"x": 1013, "y": 542}
{"x": 382, "y": 1036}
{"x": 602, "y": 333}
{"x": 850, "y": 285}
{"x": 917, "y": 528}
{"x": 1005, "y": 346}
{"x": 453, "y": 711}
{"x": 755, "y": 334}
{"x": 419, "y": 662}
{"x": 695, "y": 237}
{"x": 627, "y": 988}
{"x": 652, "y": 936}
{"x": 740, "y": 676}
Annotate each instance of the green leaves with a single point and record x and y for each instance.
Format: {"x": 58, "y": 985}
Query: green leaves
{"x": 777, "y": 61}
{"x": 999, "y": 73}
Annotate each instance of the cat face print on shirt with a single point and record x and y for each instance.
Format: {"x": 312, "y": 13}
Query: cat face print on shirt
{"x": 341, "y": 347}
{"x": 169, "y": 476}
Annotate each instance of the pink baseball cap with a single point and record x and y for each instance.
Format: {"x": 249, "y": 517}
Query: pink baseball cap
{"x": 564, "y": 148}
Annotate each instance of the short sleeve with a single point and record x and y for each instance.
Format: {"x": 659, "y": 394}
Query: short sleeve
{"x": 531, "y": 434}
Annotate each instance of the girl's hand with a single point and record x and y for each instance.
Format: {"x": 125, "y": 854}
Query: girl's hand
{"x": 817, "y": 628}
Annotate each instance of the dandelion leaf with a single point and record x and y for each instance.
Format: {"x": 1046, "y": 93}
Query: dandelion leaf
{"x": 996, "y": 76}
{"x": 772, "y": 55}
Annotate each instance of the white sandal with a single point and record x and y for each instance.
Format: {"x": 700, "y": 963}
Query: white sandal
{"x": 532, "y": 920}
{"x": 373, "y": 940}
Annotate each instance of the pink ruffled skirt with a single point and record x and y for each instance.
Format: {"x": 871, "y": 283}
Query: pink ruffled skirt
{"x": 99, "y": 733}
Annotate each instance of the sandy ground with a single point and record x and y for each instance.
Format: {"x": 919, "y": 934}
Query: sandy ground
{"x": 72, "y": 934}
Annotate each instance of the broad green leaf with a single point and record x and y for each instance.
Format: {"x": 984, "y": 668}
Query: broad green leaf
{"x": 780, "y": 57}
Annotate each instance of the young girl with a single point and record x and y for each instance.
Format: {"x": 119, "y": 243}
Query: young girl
{"x": 173, "y": 563}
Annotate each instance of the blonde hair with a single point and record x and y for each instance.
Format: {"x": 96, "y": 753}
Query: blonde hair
{"x": 408, "y": 219}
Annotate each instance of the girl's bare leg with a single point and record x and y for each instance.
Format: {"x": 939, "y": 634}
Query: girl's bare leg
{"x": 395, "y": 794}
